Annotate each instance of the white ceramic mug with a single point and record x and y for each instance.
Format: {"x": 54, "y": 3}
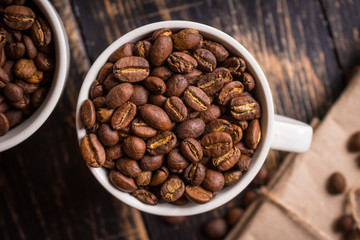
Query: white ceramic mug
{"x": 25, "y": 129}
{"x": 278, "y": 132}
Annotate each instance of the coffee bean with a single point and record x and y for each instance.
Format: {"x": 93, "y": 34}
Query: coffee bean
{"x": 4, "y": 124}
{"x": 197, "y": 194}
{"x": 131, "y": 69}
{"x": 2, "y": 54}
{"x": 353, "y": 144}
{"x": 114, "y": 152}
{"x": 262, "y": 177}
{"x": 118, "y": 95}
{"x": 160, "y": 176}
{"x": 121, "y": 182}
{"x": 140, "y": 95}
{"x": 176, "y": 85}
{"x": 40, "y": 32}
{"x": 176, "y": 109}
{"x": 141, "y": 129}
{"x": 143, "y": 49}
{"x": 244, "y": 149}
{"x": 155, "y": 85}
{"x": 134, "y": 147}
{"x": 24, "y": 68}
{"x": 161, "y": 50}
{"x": 229, "y": 91}
{"x": 146, "y": 197}
{"x": 213, "y": 112}
{"x": 248, "y": 81}
{"x": 216, "y": 228}
{"x": 88, "y": 114}
{"x": 162, "y": 72}
{"x": 107, "y": 136}
{"x": 104, "y": 114}
{"x": 4, "y": 78}
{"x": 244, "y": 162}
{"x": 253, "y": 134}
{"x": 44, "y": 62}
{"x": 195, "y": 174}
{"x": 157, "y": 100}
{"x": 99, "y": 102}
{"x": 219, "y": 125}
{"x": 344, "y": 224}
{"x": 228, "y": 160}
{"x": 19, "y": 17}
{"x": 128, "y": 167}
{"x": 236, "y": 66}
{"x": 234, "y": 215}
{"x": 181, "y": 62}
{"x": 213, "y": 82}
{"x": 31, "y": 50}
{"x": 92, "y": 151}
{"x": 236, "y": 134}
{"x": 176, "y": 161}
{"x": 155, "y": 117}
{"x": 172, "y": 189}
{"x": 248, "y": 198}
{"x": 13, "y": 92}
{"x": 192, "y": 128}
{"x": 214, "y": 181}
{"x": 217, "y": 49}
{"x": 104, "y": 72}
{"x": 187, "y": 39}
{"x": 162, "y": 143}
{"x": 36, "y": 78}
{"x": 191, "y": 149}
{"x": 196, "y": 99}
{"x": 109, "y": 164}
{"x": 160, "y": 32}
{"x": 123, "y": 115}
{"x": 144, "y": 178}
{"x": 245, "y": 108}
{"x": 336, "y": 183}
{"x": 125, "y": 50}
{"x": 96, "y": 90}
{"x": 216, "y": 144}
{"x": 205, "y": 59}
{"x": 194, "y": 76}
{"x": 232, "y": 177}
{"x": 4, "y": 106}
{"x": 151, "y": 163}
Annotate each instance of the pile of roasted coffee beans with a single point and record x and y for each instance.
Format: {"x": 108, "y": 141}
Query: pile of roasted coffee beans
{"x": 26, "y": 61}
{"x": 173, "y": 117}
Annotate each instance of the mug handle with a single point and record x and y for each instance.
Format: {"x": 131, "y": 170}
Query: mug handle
{"x": 291, "y": 135}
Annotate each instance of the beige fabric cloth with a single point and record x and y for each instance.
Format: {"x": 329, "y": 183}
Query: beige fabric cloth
{"x": 300, "y": 184}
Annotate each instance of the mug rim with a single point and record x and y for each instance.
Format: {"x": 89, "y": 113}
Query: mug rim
{"x": 166, "y": 209}
{"x": 26, "y": 128}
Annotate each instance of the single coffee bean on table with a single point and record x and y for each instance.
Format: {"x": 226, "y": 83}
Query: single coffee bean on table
{"x": 336, "y": 183}
{"x": 172, "y": 117}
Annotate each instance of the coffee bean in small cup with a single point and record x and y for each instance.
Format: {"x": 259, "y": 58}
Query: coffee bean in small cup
{"x": 336, "y": 183}
{"x": 26, "y": 44}
{"x": 172, "y": 118}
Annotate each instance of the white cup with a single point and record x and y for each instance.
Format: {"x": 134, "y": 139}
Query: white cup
{"x": 278, "y": 132}
{"x": 25, "y": 129}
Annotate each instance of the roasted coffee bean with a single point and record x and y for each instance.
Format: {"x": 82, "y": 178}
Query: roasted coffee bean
{"x": 15, "y": 50}
{"x": 187, "y": 39}
{"x": 123, "y": 115}
{"x": 229, "y": 91}
{"x": 336, "y": 183}
{"x": 125, "y": 132}
{"x": 197, "y": 194}
{"x": 176, "y": 161}
{"x": 248, "y": 198}
{"x": 345, "y": 223}
{"x": 216, "y": 228}
{"x": 232, "y": 177}
{"x": 109, "y": 164}
{"x": 253, "y": 134}
{"x": 176, "y": 171}
{"x": 40, "y": 32}
{"x": 261, "y": 177}
{"x": 24, "y": 68}
{"x": 213, "y": 112}
{"x": 104, "y": 114}
{"x": 155, "y": 85}
{"x": 19, "y": 17}
{"x": 155, "y": 117}
{"x": 108, "y": 136}
{"x": 28, "y": 88}
{"x": 157, "y": 100}
{"x": 236, "y": 134}
{"x": 141, "y": 129}
{"x": 131, "y": 69}
{"x": 144, "y": 178}
{"x": 245, "y": 108}
{"x": 214, "y": 181}
{"x": 88, "y": 114}
{"x": 194, "y": 76}
{"x": 160, "y": 176}
{"x": 140, "y": 95}
{"x": 162, "y": 143}
{"x": 228, "y": 160}
{"x": 193, "y": 115}
{"x": 36, "y": 78}
{"x": 219, "y": 125}
{"x": 205, "y": 160}
{"x": 4, "y": 106}
{"x": 4, "y": 78}
{"x": 248, "y": 81}
{"x": 217, "y": 49}
{"x": 243, "y": 124}
{"x": 99, "y": 102}
{"x": 44, "y": 62}
{"x": 196, "y": 99}
{"x": 216, "y": 144}
{"x": 192, "y": 128}
{"x": 161, "y": 50}
{"x": 23, "y": 103}
{"x": 4, "y": 124}
{"x": 121, "y": 182}
{"x": 181, "y": 62}
{"x": 205, "y": 59}
{"x": 162, "y": 72}
{"x": 176, "y": 85}
{"x": 160, "y": 32}
{"x": 110, "y": 82}
{"x": 172, "y": 189}
{"x": 134, "y": 147}
{"x": 13, "y": 92}
{"x": 2, "y": 55}
{"x": 191, "y": 149}
{"x": 92, "y": 151}
{"x": 104, "y": 72}
{"x": 145, "y": 196}
{"x": 143, "y": 49}
{"x": 96, "y": 90}
{"x": 194, "y": 174}
{"x": 114, "y": 152}
{"x": 128, "y": 167}
{"x": 176, "y": 109}
{"x": 151, "y": 163}
{"x": 236, "y": 66}
{"x": 234, "y": 215}
{"x": 213, "y": 82}
{"x": 31, "y": 50}
{"x": 8, "y": 68}
{"x": 353, "y": 144}
{"x": 125, "y": 50}
{"x": 244, "y": 149}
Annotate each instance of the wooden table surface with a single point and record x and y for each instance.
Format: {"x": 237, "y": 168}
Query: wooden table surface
{"x": 306, "y": 49}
